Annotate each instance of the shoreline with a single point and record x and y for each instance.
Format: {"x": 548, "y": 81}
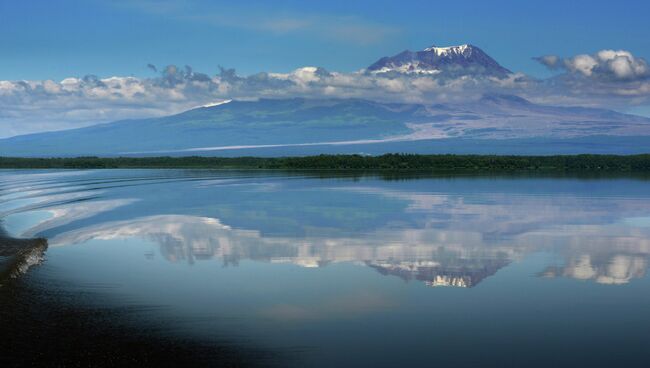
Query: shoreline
{"x": 409, "y": 163}
{"x": 18, "y": 255}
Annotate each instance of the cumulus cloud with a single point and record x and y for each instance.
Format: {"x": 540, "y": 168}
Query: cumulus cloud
{"x": 607, "y": 78}
{"x": 550, "y": 61}
{"x": 615, "y": 65}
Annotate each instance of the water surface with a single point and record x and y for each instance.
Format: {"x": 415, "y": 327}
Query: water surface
{"x": 353, "y": 271}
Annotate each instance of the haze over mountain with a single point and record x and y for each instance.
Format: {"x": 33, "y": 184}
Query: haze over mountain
{"x": 495, "y": 123}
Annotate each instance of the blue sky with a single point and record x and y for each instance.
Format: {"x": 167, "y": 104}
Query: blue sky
{"x": 57, "y": 39}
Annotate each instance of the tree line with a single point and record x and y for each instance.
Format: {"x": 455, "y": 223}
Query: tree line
{"x": 389, "y": 162}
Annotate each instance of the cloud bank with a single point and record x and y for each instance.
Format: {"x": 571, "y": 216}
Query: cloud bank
{"x": 608, "y": 78}
{"x": 609, "y": 65}
{"x": 612, "y": 79}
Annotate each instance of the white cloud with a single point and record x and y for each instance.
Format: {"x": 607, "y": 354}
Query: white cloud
{"x": 584, "y": 64}
{"x": 605, "y": 64}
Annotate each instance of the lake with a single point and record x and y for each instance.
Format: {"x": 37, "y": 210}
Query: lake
{"x": 318, "y": 270}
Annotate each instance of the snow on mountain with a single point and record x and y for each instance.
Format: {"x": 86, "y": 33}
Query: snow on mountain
{"x": 217, "y": 103}
{"x": 448, "y": 51}
{"x": 452, "y": 61}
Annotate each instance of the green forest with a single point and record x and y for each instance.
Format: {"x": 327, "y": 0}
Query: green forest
{"x": 390, "y": 162}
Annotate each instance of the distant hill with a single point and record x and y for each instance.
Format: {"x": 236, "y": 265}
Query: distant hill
{"x": 494, "y": 124}
{"x": 237, "y": 123}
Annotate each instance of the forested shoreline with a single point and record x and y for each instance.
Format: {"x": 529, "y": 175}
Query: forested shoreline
{"x": 391, "y": 162}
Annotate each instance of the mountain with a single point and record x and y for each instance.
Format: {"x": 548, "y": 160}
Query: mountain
{"x": 502, "y": 124}
{"x": 236, "y": 123}
{"x": 453, "y": 271}
{"x": 453, "y": 60}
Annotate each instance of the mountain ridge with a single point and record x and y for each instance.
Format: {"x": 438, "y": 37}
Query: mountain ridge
{"x": 325, "y": 124}
{"x": 463, "y": 59}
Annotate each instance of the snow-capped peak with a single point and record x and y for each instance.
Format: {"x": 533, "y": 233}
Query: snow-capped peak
{"x": 449, "y": 50}
{"x": 454, "y": 61}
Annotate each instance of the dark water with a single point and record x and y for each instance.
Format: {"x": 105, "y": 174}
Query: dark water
{"x": 301, "y": 270}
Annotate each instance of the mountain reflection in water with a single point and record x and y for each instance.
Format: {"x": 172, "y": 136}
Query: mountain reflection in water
{"x": 436, "y": 257}
{"x": 432, "y": 233}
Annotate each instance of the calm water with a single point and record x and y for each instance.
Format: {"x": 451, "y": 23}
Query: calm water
{"x": 347, "y": 271}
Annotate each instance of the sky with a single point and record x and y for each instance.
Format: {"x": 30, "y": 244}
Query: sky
{"x": 43, "y": 41}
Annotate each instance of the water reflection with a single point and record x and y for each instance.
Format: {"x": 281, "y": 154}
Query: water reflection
{"x": 439, "y": 232}
{"x": 435, "y": 257}
{"x": 615, "y": 269}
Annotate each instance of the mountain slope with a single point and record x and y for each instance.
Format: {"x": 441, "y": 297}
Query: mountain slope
{"x": 350, "y": 126}
{"x": 453, "y": 60}
{"x": 263, "y": 122}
